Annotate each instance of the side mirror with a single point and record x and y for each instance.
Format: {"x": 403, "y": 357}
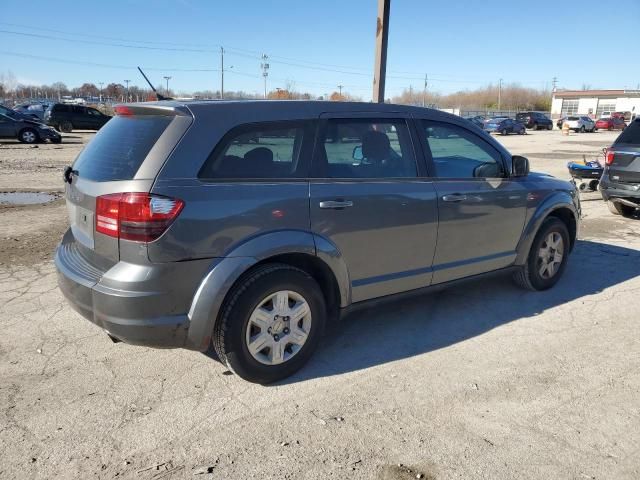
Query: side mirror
{"x": 357, "y": 153}
{"x": 519, "y": 166}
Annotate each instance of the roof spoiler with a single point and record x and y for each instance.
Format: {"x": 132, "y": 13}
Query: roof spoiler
{"x": 151, "y": 109}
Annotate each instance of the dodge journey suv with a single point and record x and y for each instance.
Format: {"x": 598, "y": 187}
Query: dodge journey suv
{"x": 250, "y": 225}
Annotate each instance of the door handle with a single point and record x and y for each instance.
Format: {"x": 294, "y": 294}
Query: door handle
{"x": 454, "y": 197}
{"x": 336, "y": 204}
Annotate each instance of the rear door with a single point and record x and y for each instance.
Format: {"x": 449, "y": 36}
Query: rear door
{"x": 481, "y": 210}
{"x": 7, "y": 127}
{"x": 372, "y": 200}
{"x": 625, "y": 167}
{"x": 122, "y": 158}
{"x": 79, "y": 115}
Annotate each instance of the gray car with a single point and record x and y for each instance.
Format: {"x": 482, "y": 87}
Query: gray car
{"x": 251, "y": 225}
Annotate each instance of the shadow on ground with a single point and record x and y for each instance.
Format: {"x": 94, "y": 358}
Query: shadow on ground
{"x": 423, "y": 324}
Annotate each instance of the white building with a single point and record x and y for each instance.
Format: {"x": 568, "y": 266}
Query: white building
{"x": 594, "y": 102}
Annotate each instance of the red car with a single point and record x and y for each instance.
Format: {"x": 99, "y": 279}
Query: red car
{"x": 613, "y": 123}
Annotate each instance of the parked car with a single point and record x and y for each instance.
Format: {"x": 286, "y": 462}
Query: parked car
{"x": 66, "y": 117}
{"x": 611, "y": 123}
{"x": 535, "y": 120}
{"x": 185, "y": 233}
{"x": 620, "y": 181}
{"x": 35, "y": 110}
{"x": 11, "y": 113}
{"x": 27, "y": 130}
{"x": 581, "y": 123}
{"x": 505, "y": 126}
{"x": 625, "y": 116}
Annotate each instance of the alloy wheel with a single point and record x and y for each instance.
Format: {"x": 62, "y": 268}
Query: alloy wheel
{"x": 278, "y": 328}
{"x": 29, "y": 137}
{"x": 550, "y": 255}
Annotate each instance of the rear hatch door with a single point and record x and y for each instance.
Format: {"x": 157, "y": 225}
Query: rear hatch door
{"x": 124, "y": 156}
{"x": 625, "y": 167}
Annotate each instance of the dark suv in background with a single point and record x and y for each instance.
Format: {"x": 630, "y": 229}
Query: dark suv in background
{"x": 535, "y": 120}
{"x": 620, "y": 182}
{"x": 249, "y": 225}
{"x": 67, "y": 117}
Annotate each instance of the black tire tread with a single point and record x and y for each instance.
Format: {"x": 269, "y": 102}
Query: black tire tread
{"x": 221, "y": 327}
{"x": 522, "y": 276}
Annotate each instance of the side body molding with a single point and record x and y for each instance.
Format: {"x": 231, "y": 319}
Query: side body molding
{"x": 555, "y": 201}
{"x": 225, "y": 271}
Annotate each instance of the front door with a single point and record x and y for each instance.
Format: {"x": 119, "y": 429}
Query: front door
{"x": 7, "y": 127}
{"x": 481, "y": 210}
{"x": 369, "y": 199}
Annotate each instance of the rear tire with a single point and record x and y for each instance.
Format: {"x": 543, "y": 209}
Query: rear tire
{"x": 250, "y": 315}
{"x": 28, "y": 135}
{"x": 582, "y": 129}
{"x": 618, "y": 208}
{"x": 533, "y": 275}
{"x": 66, "y": 126}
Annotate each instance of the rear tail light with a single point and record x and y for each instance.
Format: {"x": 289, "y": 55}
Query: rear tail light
{"x": 140, "y": 217}
{"x": 610, "y": 155}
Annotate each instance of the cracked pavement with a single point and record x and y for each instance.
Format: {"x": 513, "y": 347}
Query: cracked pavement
{"x": 482, "y": 380}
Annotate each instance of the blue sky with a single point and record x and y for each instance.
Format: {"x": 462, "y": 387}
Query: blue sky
{"x": 316, "y": 45}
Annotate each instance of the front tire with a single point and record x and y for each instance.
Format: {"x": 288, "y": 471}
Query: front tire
{"x": 582, "y": 129}
{"x": 618, "y": 208}
{"x": 28, "y": 135}
{"x": 547, "y": 257}
{"x": 270, "y": 324}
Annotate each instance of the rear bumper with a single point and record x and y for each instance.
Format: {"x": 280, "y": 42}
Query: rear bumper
{"x": 150, "y": 310}
{"x": 628, "y": 193}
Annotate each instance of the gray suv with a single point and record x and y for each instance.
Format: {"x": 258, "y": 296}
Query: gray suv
{"x": 250, "y": 225}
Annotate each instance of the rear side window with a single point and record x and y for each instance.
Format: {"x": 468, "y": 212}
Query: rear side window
{"x": 260, "y": 150}
{"x": 61, "y": 108}
{"x": 365, "y": 148}
{"x": 459, "y": 153}
{"x": 120, "y": 147}
{"x": 630, "y": 135}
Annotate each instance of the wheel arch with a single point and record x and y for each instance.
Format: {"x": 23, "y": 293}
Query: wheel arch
{"x": 559, "y": 206}
{"x": 295, "y": 248}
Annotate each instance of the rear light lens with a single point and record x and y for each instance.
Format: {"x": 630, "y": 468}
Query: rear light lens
{"x": 140, "y": 217}
{"x": 610, "y": 156}
{"x": 123, "y": 111}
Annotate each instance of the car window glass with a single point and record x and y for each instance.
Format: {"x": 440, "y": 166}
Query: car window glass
{"x": 263, "y": 150}
{"x": 91, "y": 111}
{"x": 630, "y": 135}
{"x": 365, "y": 148}
{"x": 459, "y": 153}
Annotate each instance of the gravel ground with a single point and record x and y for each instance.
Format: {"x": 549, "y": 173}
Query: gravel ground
{"x": 478, "y": 381}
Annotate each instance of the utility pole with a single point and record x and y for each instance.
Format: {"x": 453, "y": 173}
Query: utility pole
{"x": 554, "y": 82}
{"x": 127, "y": 82}
{"x": 221, "y": 73}
{"x": 382, "y": 37}
{"x": 265, "y": 71}
{"x": 167, "y": 79}
{"x": 101, "y": 84}
{"x": 424, "y": 90}
{"x": 340, "y": 91}
{"x": 499, "y": 94}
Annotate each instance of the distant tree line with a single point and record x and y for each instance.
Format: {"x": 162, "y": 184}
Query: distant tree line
{"x": 512, "y": 97}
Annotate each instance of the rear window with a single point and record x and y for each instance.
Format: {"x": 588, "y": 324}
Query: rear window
{"x": 630, "y": 135}
{"x": 120, "y": 147}
{"x": 573, "y": 119}
{"x": 259, "y": 150}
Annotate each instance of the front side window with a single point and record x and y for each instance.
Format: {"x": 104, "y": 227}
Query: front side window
{"x": 365, "y": 148}
{"x": 459, "y": 153}
{"x": 261, "y": 150}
